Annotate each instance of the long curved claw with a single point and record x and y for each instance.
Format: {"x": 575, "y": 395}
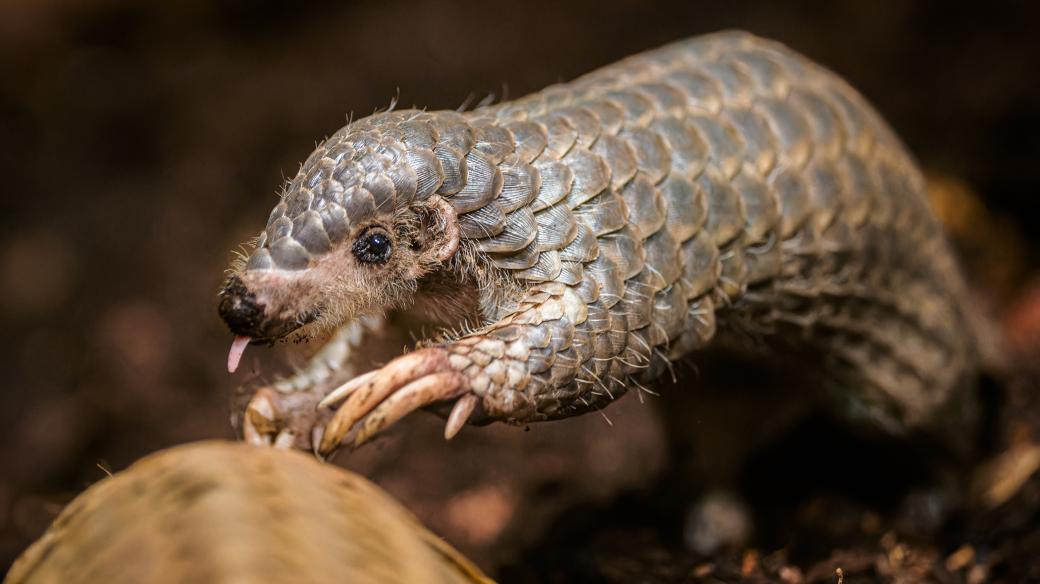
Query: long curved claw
{"x": 262, "y": 419}
{"x": 460, "y": 412}
{"x": 423, "y": 392}
{"x": 343, "y": 392}
{"x": 388, "y": 394}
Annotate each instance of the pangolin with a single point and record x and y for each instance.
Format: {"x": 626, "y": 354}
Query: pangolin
{"x": 225, "y": 512}
{"x": 575, "y": 243}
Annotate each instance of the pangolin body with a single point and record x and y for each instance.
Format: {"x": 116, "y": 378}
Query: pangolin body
{"x": 720, "y": 190}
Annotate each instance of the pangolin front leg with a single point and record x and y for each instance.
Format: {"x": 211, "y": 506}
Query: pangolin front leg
{"x": 511, "y": 370}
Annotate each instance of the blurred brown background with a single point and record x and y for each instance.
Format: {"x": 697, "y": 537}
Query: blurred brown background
{"x": 141, "y": 141}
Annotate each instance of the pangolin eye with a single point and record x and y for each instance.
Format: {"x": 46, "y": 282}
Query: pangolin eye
{"x": 373, "y": 247}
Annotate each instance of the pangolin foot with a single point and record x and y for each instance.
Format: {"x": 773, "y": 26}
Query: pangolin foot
{"x": 377, "y": 399}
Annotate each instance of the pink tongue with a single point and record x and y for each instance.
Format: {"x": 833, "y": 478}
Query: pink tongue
{"x": 238, "y": 346}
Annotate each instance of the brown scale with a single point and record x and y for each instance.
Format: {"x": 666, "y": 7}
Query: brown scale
{"x": 718, "y": 184}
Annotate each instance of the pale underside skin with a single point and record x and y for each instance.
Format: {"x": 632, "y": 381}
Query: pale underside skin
{"x": 718, "y": 190}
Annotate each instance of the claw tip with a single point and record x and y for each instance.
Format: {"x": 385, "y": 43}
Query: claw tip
{"x": 460, "y": 412}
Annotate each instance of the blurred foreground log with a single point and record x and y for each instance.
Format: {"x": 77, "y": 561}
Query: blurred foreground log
{"x": 228, "y": 512}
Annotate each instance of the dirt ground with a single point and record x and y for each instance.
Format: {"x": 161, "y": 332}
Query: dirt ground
{"x": 142, "y": 141}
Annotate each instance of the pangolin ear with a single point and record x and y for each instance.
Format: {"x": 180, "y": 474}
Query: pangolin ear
{"x": 439, "y": 230}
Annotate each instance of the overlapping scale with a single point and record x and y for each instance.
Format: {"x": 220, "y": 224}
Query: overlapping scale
{"x": 636, "y": 202}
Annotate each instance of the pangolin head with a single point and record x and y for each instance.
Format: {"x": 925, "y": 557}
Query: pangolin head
{"x": 355, "y": 229}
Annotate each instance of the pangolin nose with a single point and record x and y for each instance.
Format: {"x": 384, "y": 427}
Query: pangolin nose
{"x": 239, "y": 309}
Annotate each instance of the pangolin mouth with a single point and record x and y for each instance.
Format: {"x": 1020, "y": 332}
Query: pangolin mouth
{"x": 238, "y": 346}
{"x": 254, "y": 319}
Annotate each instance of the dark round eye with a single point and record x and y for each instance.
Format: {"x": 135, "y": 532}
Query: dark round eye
{"x": 373, "y": 247}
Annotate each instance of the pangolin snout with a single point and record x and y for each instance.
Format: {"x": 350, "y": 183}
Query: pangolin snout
{"x": 240, "y": 309}
{"x": 266, "y": 308}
